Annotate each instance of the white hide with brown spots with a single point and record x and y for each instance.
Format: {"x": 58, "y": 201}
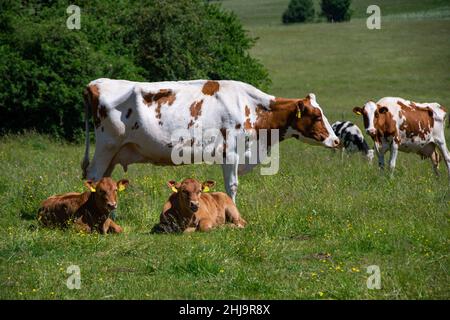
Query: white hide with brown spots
{"x": 138, "y": 119}
{"x": 416, "y": 127}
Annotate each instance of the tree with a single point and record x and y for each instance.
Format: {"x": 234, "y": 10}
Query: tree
{"x": 46, "y": 66}
{"x": 299, "y": 11}
{"x": 336, "y": 10}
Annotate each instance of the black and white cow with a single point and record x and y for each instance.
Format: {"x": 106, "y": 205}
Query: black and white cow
{"x": 352, "y": 138}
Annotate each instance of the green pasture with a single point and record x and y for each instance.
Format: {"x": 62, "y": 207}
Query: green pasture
{"x": 313, "y": 228}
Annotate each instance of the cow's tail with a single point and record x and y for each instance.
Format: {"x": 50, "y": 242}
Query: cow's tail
{"x": 87, "y": 104}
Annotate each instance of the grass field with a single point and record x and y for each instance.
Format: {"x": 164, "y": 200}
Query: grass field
{"x": 313, "y": 228}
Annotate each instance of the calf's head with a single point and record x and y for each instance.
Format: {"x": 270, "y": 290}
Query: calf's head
{"x": 313, "y": 126}
{"x": 105, "y": 192}
{"x": 189, "y": 192}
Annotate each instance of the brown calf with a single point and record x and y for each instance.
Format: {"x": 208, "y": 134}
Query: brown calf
{"x": 89, "y": 211}
{"x": 191, "y": 208}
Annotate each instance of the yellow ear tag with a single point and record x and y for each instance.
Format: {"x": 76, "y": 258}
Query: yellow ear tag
{"x": 174, "y": 189}
{"x": 299, "y": 114}
{"x": 358, "y": 113}
{"x": 205, "y": 189}
{"x": 121, "y": 187}
{"x": 92, "y": 189}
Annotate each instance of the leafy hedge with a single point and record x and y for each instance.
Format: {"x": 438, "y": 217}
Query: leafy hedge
{"x": 299, "y": 11}
{"x": 45, "y": 66}
{"x": 336, "y": 10}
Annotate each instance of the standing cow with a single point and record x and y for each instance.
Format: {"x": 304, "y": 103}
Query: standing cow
{"x": 135, "y": 121}
{"x": 398, "y": 124}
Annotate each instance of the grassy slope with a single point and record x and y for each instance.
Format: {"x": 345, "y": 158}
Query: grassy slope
{"x": 315, "y": 205}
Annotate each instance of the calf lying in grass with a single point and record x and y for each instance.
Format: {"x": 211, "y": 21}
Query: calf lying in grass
{"x": 191, "y": 208}
{"x": 88, "y": 211}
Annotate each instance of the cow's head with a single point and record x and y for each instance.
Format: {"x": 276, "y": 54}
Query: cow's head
{"x": 105, "y": 192}
{"x": 189, "y": 192}
{"x": 371, "y": 116}
{"x": 311, "y": 125}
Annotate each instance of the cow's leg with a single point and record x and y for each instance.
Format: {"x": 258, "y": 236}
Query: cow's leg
{"x": 101, "y": 163}
{"x": 111, "y": 226}
{"x": 234, "y": 216}
{"x": 230, "y": 174}
{"x": 393, "y": 156}
{"x": 379, "y": 150}
{"x": 205, "y": 225}
{"x": 435, "y": 159}
{"x": 444, "y": 151}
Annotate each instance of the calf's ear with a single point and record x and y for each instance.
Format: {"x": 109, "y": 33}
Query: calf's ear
{"x": 122, "y": 184}
{"x": 173, "y": 185}
{"x": 358, "y": 110}
{"x": 207, "y": 185}
{"x": 90, "y": 184}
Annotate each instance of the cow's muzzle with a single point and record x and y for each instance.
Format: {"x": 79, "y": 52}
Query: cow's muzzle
{"x": 193, "y": 206}
{"x": 371, "y": 132}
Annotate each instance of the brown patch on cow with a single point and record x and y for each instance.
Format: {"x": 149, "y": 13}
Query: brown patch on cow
{"x": 385, "y": 125}
{"x": 129, "y": 112}
{"x": 158, "y": 112}
{"x": 163, "y": 96}
{"x": 223, "y": 131}
{"x": 196, "y": 109}
{"x": 418, "y": 121}
{"x": 91, "y": 96}
{"x": 135, "y": 126}
{"x": 281, "y": 114}
{"x": 210, "y": 88}
{"x": 247, "y": 123}
{"x": 102, "y": 112}
{"x": 247, "y": 111}
{"x": 238, "y": 126}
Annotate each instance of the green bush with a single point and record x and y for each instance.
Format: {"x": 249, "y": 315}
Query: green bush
{"x": 336, "y": 10}
{"x": 46, "y": 66}
{"x": 299, "y": 11}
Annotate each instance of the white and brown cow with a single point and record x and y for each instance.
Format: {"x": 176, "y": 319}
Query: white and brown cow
{"x": 135, "y": 121}
{"x": 398, "y": 124}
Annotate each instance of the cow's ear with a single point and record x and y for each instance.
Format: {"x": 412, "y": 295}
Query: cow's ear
{"x": 90, "y": 184}
{"x": 208, "y": 185}
{"x": 430, "y": 111}
{"x": 358, "y": 110}
{"x": 122, "y": 184}
{"x": 173, "y": 185}
{"x": 383, "y": 109}
{"x": 300, "y": 108}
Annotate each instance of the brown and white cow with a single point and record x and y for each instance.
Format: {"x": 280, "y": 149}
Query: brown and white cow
{"x": 190, "y": 207}
{"x": 135, "y": 122}
{"x": 398, "y": 124}
{"x": 88, "y": 211}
